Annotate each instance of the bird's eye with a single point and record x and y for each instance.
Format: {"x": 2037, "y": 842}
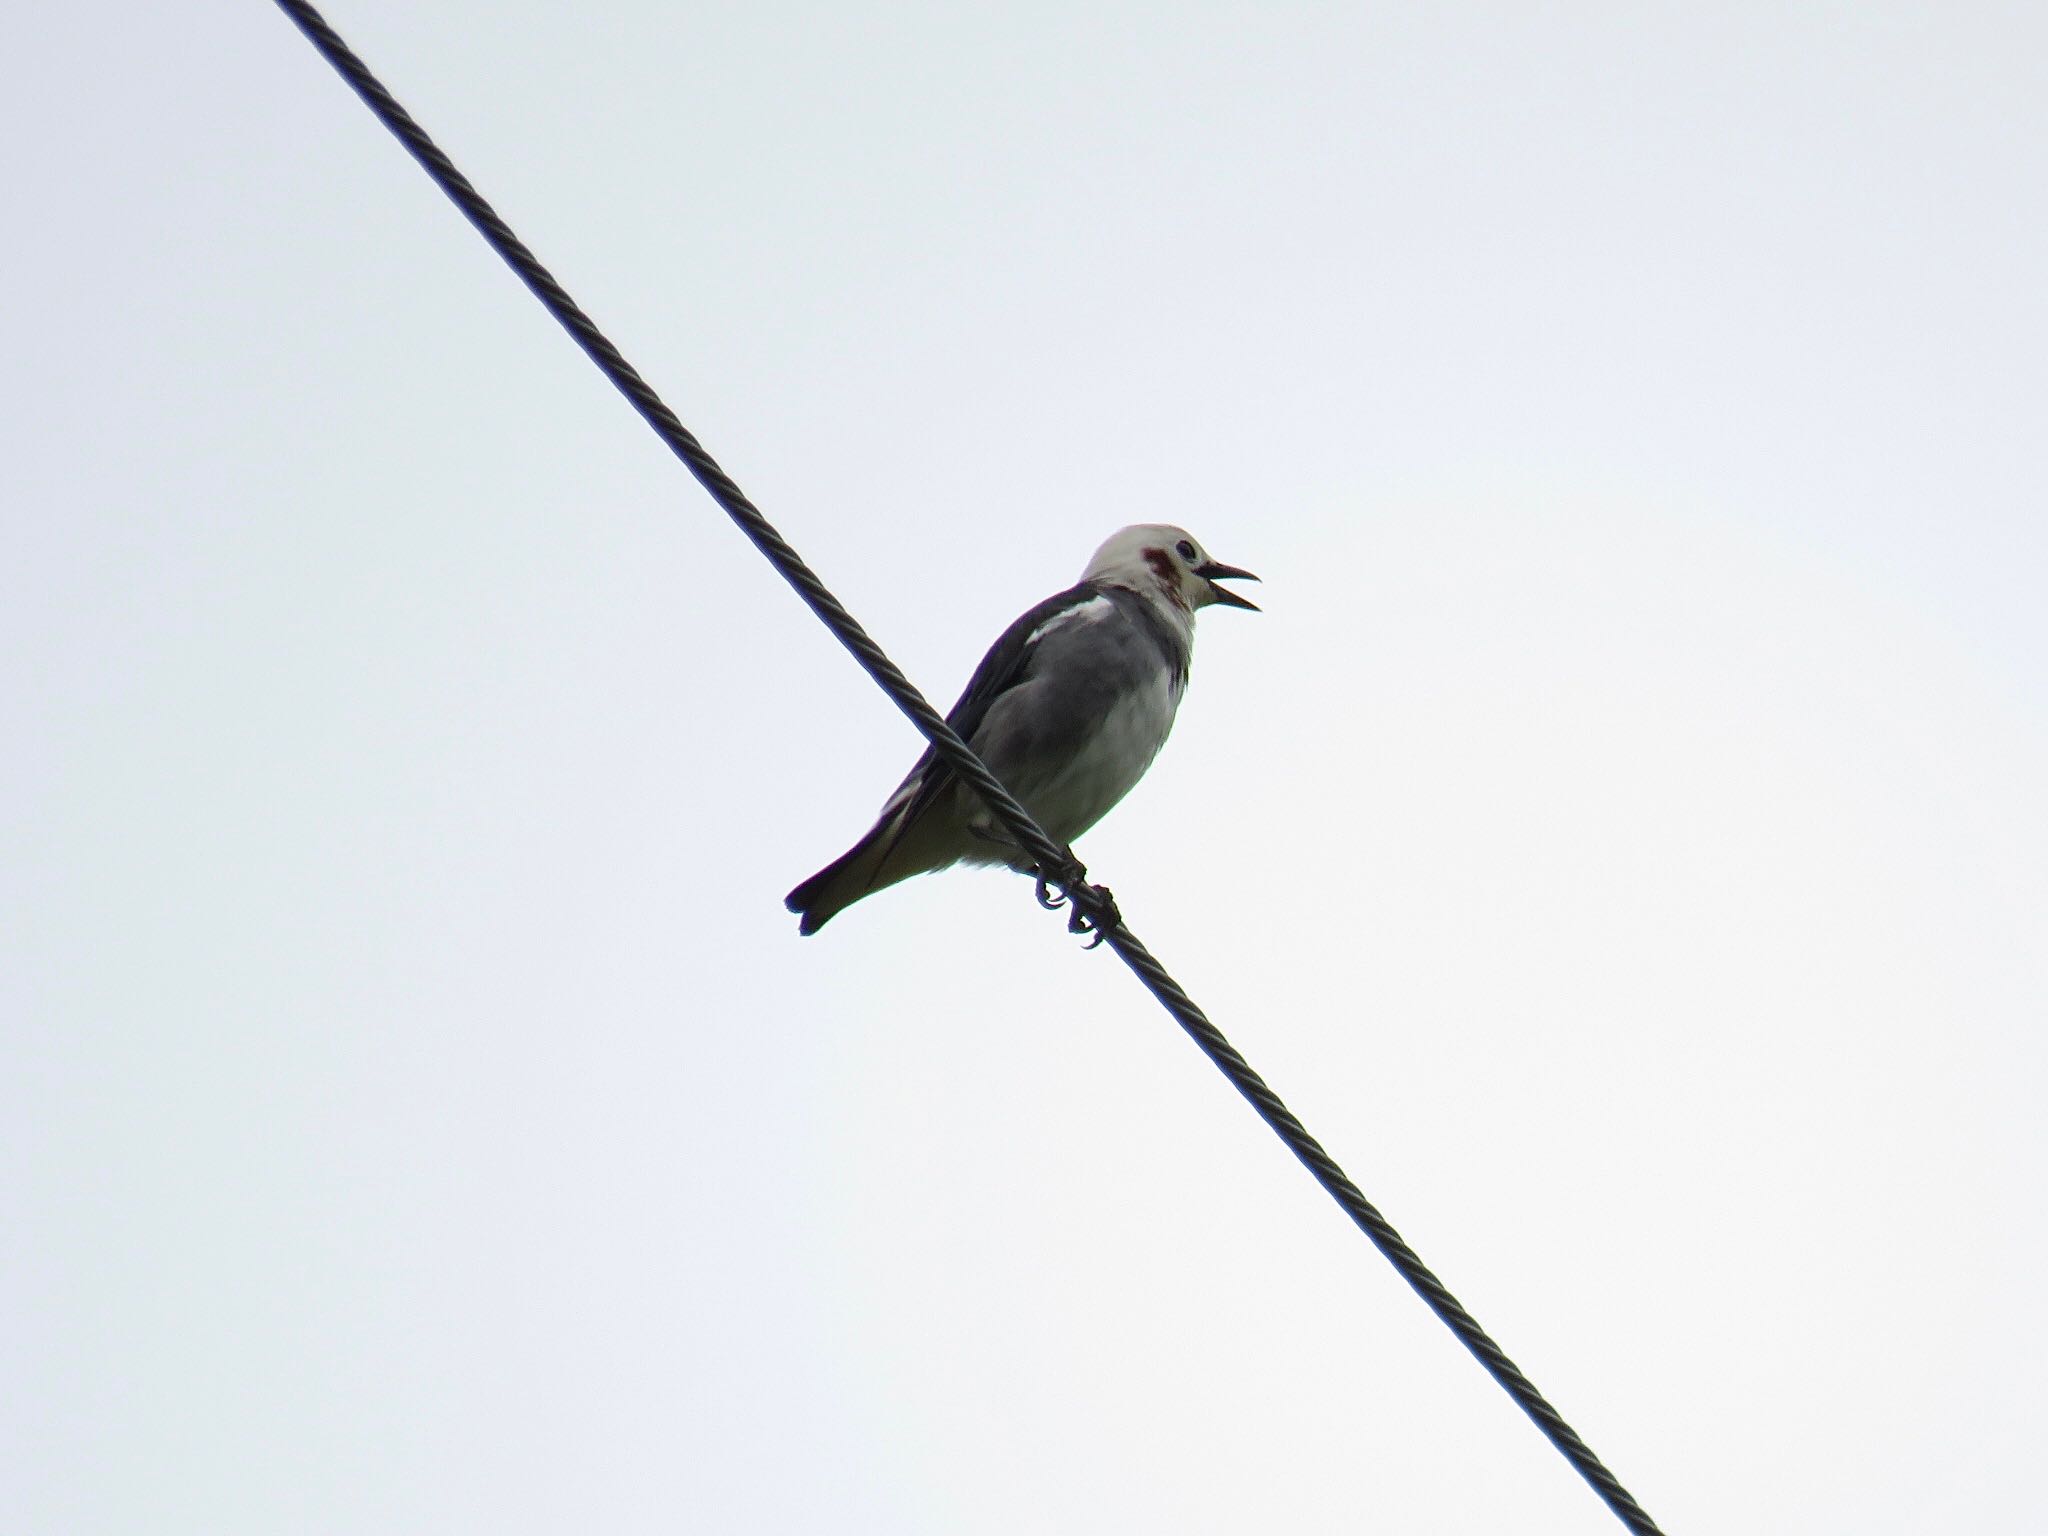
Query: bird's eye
{"x": 1186, "y": 551}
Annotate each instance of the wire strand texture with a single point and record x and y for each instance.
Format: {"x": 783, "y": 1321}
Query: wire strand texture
{"x": 1056, "y": 865}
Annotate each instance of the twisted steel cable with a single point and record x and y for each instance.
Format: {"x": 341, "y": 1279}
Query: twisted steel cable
{"x": 1058, "y": 872}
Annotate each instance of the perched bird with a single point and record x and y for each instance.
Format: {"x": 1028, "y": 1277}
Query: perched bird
{"x": 1068, "y": 709}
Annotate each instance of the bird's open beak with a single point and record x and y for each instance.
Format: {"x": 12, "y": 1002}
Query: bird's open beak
{"x": 1216, "y": 571}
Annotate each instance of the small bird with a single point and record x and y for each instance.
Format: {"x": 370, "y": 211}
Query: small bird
{"x": 1068, "y": 709}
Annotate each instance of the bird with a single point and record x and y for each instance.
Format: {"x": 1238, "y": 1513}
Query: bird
{"x": 1068, "y": 709}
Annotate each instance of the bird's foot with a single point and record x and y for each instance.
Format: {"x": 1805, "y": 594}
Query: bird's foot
{"x": 1095, "y": 913}
{"x": 1050, "y": 897}
{"x": 1099, "y": 921}
{"x": 1055, "y": 881}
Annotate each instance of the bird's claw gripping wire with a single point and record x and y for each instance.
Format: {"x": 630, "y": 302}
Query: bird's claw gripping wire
{"x": 1094, "y": 914}
{"x": 1098, "y": 922}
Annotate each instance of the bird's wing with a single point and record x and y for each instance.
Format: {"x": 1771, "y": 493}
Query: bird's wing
{"x": 1007, "y": 664}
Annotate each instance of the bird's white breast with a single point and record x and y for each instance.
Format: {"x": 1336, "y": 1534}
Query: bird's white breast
{"x": 1111, "y": 759}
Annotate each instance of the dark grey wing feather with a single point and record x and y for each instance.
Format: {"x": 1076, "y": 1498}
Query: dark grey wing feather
{"x": 1007, "y": 664}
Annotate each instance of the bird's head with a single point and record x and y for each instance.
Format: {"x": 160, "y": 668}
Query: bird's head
{"x": 1161, "y": 561}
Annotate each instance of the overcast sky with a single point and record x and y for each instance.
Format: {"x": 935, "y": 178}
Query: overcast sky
{"x": 1622, "y": 839}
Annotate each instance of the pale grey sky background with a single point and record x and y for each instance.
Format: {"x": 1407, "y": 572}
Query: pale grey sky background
{"x": 1622, "y": 839}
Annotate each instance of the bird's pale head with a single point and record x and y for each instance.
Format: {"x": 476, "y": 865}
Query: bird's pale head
{"x": 1165, "y": 562}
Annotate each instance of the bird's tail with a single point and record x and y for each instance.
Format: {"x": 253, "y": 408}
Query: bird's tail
{"x": 858, "y": 872}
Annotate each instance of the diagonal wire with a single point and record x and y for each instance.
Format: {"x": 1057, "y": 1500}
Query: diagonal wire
{"x": 1095, "y": 912}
